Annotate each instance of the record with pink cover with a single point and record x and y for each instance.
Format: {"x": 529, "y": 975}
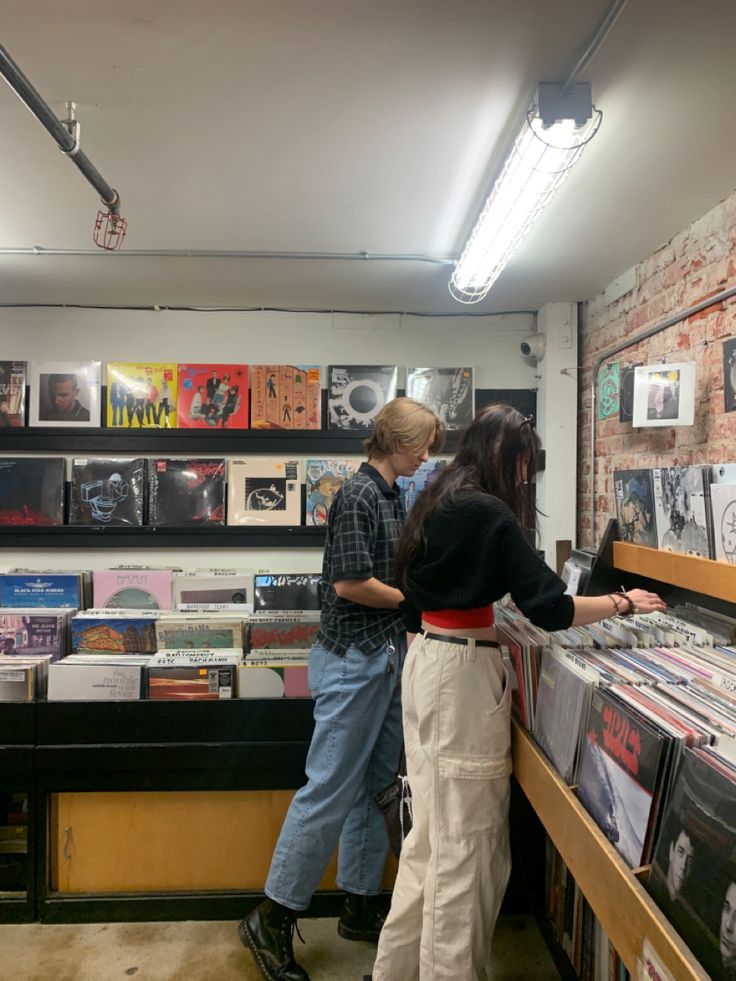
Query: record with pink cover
{"x": 132, "y": 589}
{"x": 213, "y": 396}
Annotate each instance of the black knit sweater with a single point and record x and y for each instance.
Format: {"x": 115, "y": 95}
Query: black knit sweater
{"x": 475, "y": 553}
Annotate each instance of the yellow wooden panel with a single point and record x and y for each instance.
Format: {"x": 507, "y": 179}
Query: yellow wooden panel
{"x": 687, "y": 571}
{"x": 167, "y": 841}
{"x": 617, "y": 898}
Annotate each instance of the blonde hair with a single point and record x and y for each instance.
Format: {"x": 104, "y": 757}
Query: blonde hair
{"x": 404, "y": 424}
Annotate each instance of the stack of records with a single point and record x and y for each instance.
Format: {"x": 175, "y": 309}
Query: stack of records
{"x": 23, "y": 679}
{"x": 214, "y": 589}
{"x": 693, "y": 877}
{"x": 115, "y": 631}
{"x": 287, "y": 591}
{"x": 201, "y": 631}
{"x": 107, "y": 491}
{"x": 32, "y": 490}
{"x": 292, "y": 631}
{"x": 41, "y": 589}
{"x": 524, "y": 643}
{"x": 193, "y": 675}
{"x": 97, "y": 677}
{"x": 30, "y": 631}
{"x": 132, "y": 589}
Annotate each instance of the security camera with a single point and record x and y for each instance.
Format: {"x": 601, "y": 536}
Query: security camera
{"x": 534, "y": 346}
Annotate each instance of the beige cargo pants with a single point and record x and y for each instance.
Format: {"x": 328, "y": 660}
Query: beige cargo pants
{"x": 455, "y": 863}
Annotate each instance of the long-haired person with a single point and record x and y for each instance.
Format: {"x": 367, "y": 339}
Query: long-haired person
{"x": 354, "y": 676}
{"x": 462, "y": 548}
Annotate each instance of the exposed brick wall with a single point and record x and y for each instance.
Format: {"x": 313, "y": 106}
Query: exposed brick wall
{"x": 699, "y": 262}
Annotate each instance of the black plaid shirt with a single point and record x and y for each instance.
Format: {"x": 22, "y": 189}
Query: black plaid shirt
{"x": 362, "y": 534}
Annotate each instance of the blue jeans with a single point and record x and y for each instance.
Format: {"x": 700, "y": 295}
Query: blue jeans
{"x": 354, "y": 753}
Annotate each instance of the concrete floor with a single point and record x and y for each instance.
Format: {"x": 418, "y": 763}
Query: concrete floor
{"x": 211, "y": 951}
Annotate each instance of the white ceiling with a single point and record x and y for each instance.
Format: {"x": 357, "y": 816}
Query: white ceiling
{"x": 346, "y": 126}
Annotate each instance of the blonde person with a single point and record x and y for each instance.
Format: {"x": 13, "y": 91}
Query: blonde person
{"x": 462, "y": 548}
{"x": 354, "y": 676}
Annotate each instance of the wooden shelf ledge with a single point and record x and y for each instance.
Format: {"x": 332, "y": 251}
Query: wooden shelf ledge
{"x": 628, "y": 914}
{"x": 687, "y": 571}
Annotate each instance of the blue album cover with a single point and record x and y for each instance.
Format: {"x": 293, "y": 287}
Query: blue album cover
{"x": 411, "y": 487}
{"x": 41, "y": 589}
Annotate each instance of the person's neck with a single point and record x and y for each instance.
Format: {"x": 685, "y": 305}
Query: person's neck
{"x": 383, "y": 466}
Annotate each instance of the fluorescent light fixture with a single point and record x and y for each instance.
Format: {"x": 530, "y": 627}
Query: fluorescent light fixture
{"x": 554, "y": 133}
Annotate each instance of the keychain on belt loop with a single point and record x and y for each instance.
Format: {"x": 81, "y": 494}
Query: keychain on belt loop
{"x": 390, "y": 650}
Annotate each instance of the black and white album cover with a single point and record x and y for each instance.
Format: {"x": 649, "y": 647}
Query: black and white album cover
{"x": 187, "y": 492}
{"x": 12, "y": 394}
{"x": 626, "y": 393}
{"x": 729, "y": 375}
{"x": 448, "y": 392}
{"x": 681, "y": 505}
{"x": 263, "y": 491}
{"x": 357, "y": 393}
{"x": 287, "y": 591}
{"x": 32, "y": 490}
{"x": 723, "y": 507}
{"x": 693, "y": 876}
{"x": 107, "y": 491}
{"x": 65, "y": 393}
{"x": 635, "y": 511}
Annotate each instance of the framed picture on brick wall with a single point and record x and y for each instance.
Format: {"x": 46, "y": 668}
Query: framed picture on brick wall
{"x": 664, "y": 394}
{"x": 729, "y": 375}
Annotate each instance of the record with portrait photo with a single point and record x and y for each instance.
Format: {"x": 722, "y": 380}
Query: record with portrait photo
{"x": 65, "y": 393}
{"x": 664, "y": 394}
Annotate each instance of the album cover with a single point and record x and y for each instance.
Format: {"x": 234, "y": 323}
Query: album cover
{"x": 324, "y": 478}
{"x": 693, "y": 875}
{"x": 193, "y": 591}
{"x": 107, "y": 491}
{"x": 290, "y": 635}
{"x": 273, "y": 676}
{"x": 619, "y": 770}
{"x": 729, "y": 375}
{"x": 12, "y": 394}
{"x": 32, "y": 490}
{"x": 213, "y": 396}
{"x": 723, "y": 506}
{"x": 284, "y": 591}
{"x": 609, "y": 387}
{"x": 114, "y": 634}
{"x": 141, "y": 395}
{"x": 23, "y": 634}
{"x": 180, "y": 633}
{"x": 664, "y": 394}
{"x": 626, "y": 392}
{"x": 264, "y": 491}
{"x": 448, "y": 392}
{"x": 41, "y": 589}
{"x": 285, "y": 396}
{"x": 681, "y": 504}
{"x": 357, "y": 393}
{"x": 65, "y": 393}
{"x": 186, "y": 492}
{"x": 411, "y": 488}
{"x": 634, "y": 492}
{"x": 193, "y": 675}
{"x": 92, "y": 681}
{"x": 132, "y": 589}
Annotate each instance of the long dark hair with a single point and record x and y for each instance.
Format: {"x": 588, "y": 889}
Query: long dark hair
{"x": 490, "y": 458}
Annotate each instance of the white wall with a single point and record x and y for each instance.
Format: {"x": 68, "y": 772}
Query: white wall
{"x": 490, "y": 344}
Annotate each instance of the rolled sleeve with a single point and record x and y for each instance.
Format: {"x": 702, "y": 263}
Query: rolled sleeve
{"x": 353, "y": 532}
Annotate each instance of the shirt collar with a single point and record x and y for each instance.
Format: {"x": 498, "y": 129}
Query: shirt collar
{"x": 370, "y": 471}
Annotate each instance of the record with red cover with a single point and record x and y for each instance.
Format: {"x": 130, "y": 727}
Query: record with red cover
{"x": 213, "y": 396}
{"x": 32, "y": 490}
{"x": 187, "y": 492}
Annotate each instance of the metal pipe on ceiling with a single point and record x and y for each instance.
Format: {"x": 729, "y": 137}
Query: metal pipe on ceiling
{"x": 65, "y": 141}
{"x": 632, "y": 342}
{"x": 238, "y": 254}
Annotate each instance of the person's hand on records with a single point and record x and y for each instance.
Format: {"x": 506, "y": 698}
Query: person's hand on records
{"x": 642, "y": 601}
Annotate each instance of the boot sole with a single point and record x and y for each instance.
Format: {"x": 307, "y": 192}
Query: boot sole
{"x": 248, "y": 941}
{"x": 348, "y": 933}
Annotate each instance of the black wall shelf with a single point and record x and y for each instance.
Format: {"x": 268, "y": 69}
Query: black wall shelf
{"x": 78, "y": 536}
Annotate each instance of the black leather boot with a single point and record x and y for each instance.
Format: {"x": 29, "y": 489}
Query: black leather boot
{"x": 362, "y": 917}
{"x": 267, "y": 932}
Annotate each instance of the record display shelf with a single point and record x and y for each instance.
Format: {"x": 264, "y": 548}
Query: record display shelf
{"x": 614, "y": 891}
{"x": 17, "y": 740}
{"x": 97, "y": 536}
